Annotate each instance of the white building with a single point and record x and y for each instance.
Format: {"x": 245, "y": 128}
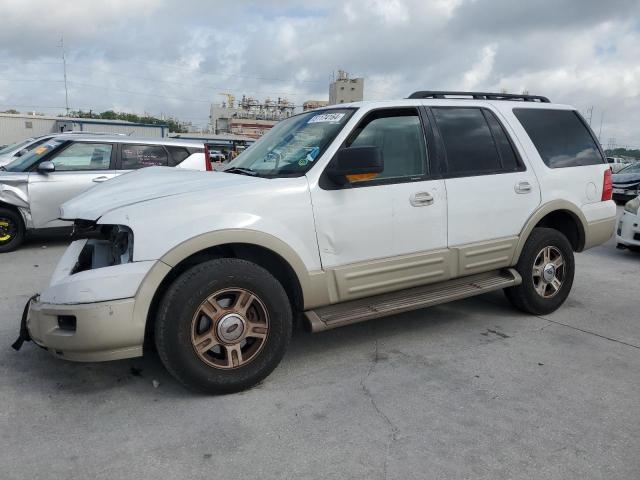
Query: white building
{"x": 345, "y": 89}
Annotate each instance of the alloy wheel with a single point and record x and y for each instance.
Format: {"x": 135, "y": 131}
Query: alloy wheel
{"x": 548, "y": 272}
{"x": 229, "y": 328}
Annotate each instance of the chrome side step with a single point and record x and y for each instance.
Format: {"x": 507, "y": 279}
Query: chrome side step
{"x": 363, "y": 309}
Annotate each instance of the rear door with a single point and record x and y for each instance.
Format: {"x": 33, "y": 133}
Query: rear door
{"x": 490, "y": 191}
{"x": 137, "y": 156}
{"x": 79, "y": 166}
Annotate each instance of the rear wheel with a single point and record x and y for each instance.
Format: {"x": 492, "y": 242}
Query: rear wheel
{"x": 11, "y": 230}
{"x": 223, "y": 326}
{"x": 547, "y": 268}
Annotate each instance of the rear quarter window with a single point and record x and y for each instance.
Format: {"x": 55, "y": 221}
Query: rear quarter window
{"x": 178, "y": 155}
{"x": 560, "y": 136}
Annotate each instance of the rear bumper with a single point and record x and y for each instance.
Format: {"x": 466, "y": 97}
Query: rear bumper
{"x": 600, "y": 225}
{"x": 624, "y": 197}
{"x": 628, "y": 229}
{"x": 103, "y": 331}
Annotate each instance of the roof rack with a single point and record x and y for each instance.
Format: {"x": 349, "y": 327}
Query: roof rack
{"x": 480, "y": 96}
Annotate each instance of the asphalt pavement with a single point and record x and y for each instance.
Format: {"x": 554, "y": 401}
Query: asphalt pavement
{"x": 467, "y": 390}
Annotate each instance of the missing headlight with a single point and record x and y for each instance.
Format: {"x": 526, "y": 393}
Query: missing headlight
{"x": 113, "y": 246}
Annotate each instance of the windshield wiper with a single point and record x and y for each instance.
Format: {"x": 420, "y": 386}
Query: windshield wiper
{"x": 242, "y": 171}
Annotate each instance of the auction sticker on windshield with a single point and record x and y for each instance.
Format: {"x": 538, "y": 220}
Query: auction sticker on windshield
{"x": 327, "y": 117}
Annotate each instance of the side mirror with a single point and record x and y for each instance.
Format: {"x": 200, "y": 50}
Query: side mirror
{"x": 46, "y": 167}
{"x": 359, "y": 161}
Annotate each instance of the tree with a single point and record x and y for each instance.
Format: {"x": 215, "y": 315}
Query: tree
{"x": 623, "y": 152}
{"x": 174, "y": 125}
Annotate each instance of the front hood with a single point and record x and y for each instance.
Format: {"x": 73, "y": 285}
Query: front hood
{"x": 148, "y": 184}
{"x": 625, "y": 179}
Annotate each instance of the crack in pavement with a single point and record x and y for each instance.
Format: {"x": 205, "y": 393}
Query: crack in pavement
{"x": 589, "y": 332}
{"x": 393, "y": 430}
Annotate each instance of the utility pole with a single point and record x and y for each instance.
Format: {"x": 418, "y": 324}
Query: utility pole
{"x": 600, "y": 131}
{"x": 64, "y": 66}
{"x": 590, "y": 110}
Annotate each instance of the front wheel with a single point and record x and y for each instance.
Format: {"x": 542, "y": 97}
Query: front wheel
{"x": 11, "y": 230}
{"x": 547, "y": 268}
{"x": 223, "y": 326}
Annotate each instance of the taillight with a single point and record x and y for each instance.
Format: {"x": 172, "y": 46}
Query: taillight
{"x": 607, "y": 186}
{"x": 207, "y": 159}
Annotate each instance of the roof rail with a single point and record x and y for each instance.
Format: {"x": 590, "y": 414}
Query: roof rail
{"x": 480, "y": 96}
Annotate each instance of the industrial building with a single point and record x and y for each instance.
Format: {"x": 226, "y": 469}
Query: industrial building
{"x": 345, "y": 89}
{"x": 313, "y": 104}
{"x": 248, "y": 117}
{"x": 17, "y": 127}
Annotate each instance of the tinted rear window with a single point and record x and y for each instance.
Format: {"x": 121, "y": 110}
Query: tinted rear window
{"x": 178, "y": 155}
{"x": 560, "y": 136}
{"x": 467, "y": 140}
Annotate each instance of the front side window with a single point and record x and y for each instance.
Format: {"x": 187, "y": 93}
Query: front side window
{"x": 141, "y": 156}
{"x": 83, "y": 156}
{"x": 292, "y": 146}
{"x": 468, "y": 141}
{"x": 560, "y": 136}
{"x": 400, "y": 137}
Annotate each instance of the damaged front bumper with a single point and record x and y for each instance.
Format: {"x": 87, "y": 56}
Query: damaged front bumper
{"x": 88, "y": 315}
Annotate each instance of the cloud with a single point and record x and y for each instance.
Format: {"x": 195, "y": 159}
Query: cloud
{"x": 174, "y": 57}
{"x": 480, "y": 70}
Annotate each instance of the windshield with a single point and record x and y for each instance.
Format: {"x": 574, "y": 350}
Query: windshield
{"x": 635, "y": 168}
{"x": 25, "y": 162}
{"x": 291, "y": 147}
{"x": 16, "y": 146}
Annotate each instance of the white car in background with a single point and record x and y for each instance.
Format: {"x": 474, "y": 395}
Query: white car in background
{"x": 628, "y": 229}
{"x": 33, "y": 186}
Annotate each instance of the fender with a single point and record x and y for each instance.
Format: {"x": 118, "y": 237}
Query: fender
{"x": 315, "y": 289}
{"x": 14, "y": 193}
{"x": 540, "y": 213}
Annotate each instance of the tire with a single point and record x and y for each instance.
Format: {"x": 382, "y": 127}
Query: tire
{"x": 535, "y": 294}
{"x": 202, "y": 324}
{"x": 11, "y": 230}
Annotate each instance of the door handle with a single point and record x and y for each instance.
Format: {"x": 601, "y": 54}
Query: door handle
{"x": 100, "y": 179}
{"x": 523, "y": 187}
{"x": 421, "y": 199}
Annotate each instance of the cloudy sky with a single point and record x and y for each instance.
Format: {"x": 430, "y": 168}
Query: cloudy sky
{"x": 175, "y": 57}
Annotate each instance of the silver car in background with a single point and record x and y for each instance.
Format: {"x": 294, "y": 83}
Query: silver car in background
{"x": 33, "y": 186}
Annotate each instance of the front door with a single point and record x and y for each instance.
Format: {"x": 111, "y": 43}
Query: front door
{"x": 389, "y": 232}
{"x": 79, "y": 167}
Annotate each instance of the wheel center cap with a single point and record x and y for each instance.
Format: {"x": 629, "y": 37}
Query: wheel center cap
{"x": 230, "y": 328}
{"x": 549, "y": 272}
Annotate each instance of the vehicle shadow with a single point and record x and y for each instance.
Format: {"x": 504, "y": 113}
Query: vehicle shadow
{"x": 148, "y": 379}
{"x": 46, "y": 239}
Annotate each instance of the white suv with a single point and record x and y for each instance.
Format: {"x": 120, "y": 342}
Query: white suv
{"x": 336, "y": 216}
